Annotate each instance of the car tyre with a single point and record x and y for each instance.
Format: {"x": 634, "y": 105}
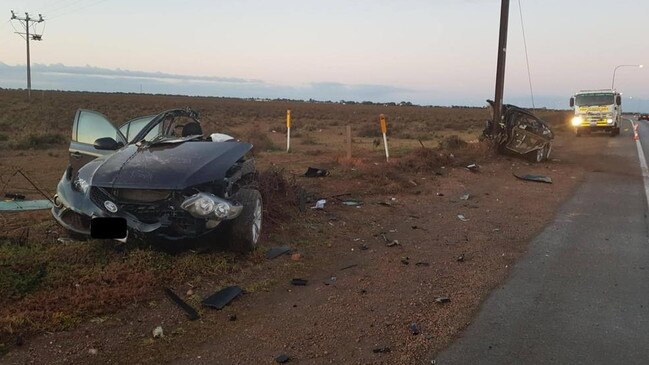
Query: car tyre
{"x": 548, "y": 150}
{"x": 244, "y": 230}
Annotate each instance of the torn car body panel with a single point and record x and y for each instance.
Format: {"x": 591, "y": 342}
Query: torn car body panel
{"x": 522, "y": 133}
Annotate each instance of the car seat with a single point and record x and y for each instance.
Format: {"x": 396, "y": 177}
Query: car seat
{"x": 191, "y": 129}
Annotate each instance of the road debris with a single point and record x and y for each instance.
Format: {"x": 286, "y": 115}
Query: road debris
{"x": 93, "y": 351}
{"x": 221, "y": 298}
{"x": 422, "y": 263}
{"x": 393, "y": 243}
{"x": 381, "y": 350}
{"x": 158, "y": 332}
{"x": 414, "y": 328}
{"x": 299, "y": 282}
{"x": 442, "y": 300}
{"x": 363, "y": 246}
{"x": 348, "y": 267}
{"x": 462, "y": 218}
{"x": 282, "y": 359}
{"x": 330, "y": 281}
{"x": 191, "y": 313}
{"x": 296, "y": 256}
{"x": 460, "y": 258}
{"x": 232, "y": 317}
{"x": 405, "y": 260}
{"x": 277, "y": 251}
{"x": 537, "y": 178}
{"x": 473, "y": 168}
{"x": 320, "y": 204}
{"x": 352, "y": 203}
{"x": 316, "y": 172}
{"x": 14, "y": 196}
{"x": 440, "y": 194}
{"x": 465, "y": 196}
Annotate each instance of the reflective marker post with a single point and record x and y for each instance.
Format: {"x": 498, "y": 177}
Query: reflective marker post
{"x": 384, "y": 130}
{"x": 288, "y": 130}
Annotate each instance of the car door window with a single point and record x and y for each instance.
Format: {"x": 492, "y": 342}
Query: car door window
{"x": 133, "y": 127}
{"x": 92, "y": 126}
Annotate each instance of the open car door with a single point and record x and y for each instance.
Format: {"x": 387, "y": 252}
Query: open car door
{"x": 88, "y": 127}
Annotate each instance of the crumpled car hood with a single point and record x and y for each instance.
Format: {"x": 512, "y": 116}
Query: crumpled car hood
{"x": 167, "y": 166}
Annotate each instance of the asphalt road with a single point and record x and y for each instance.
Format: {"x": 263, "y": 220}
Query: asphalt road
{"x": 581, "y": 293}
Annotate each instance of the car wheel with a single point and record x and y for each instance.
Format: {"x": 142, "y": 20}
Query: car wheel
{"x": 548, "y": 150}
{"x": 246, "y": 228}
{"x": 536, "y": 155}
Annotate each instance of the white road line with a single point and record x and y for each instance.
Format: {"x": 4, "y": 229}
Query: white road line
{"x": 643, "y": 166}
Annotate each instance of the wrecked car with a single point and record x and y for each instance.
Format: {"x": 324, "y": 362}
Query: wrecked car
{"x": 161, "y": 178}
{"x": 522, "y": 133}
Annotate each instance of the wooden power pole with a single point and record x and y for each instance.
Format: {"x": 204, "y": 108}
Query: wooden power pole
{"x": 500, "y": 67}
{"x": 36, "y": 37}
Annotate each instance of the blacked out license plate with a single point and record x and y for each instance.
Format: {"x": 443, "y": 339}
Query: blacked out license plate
{"x": 108, "y": 228}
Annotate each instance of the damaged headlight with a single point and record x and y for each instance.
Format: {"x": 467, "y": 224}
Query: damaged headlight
{"x": 204, "y": 205}
{"x": 81, "y": 185}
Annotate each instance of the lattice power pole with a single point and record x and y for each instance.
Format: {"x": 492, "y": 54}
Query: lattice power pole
{"x": 27, "y": 36}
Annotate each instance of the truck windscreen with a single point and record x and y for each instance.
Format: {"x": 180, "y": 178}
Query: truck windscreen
{"x": 594, "y": 99}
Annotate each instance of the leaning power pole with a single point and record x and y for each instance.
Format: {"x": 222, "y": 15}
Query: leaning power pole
{"x": 37, "y": 37}
{"x": 500, "y": 68}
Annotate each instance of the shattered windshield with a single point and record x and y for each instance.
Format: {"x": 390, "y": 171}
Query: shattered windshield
{"x": 594, "y": 99}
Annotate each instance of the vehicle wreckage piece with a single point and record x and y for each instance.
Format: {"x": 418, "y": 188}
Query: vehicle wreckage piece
{"x": 22, "y": 205}
{"x": 537, "y": 178}
{"x": 165, "y": 183}
{"x": 521, "y": 133}
{"x": 191, "y": 313}
{"x": 221, "y": 298}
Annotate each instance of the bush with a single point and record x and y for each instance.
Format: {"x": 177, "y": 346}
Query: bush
{"x": 259, "y": 140}
{"x": 40, "y": 141}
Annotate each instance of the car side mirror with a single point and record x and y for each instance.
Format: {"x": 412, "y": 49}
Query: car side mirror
{"x": 618, "y": 100}
{"x": 572, "y": 102}
{"x": 107, "y": 143}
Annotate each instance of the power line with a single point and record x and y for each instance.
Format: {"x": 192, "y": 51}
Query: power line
{"x": 527, "y": 60}
{"x": 27, "y": 36}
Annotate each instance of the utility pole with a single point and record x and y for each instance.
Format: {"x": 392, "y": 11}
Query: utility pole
{"x": 500, "y": 68}
{"x": 36, "y": 37}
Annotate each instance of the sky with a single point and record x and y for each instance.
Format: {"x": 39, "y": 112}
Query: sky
{"x": 434, "y": 52}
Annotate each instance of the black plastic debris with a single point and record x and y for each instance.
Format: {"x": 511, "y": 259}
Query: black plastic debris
{"x": 14, "y": 196}
{"x": 414, "y": 328}
{"x": 191, "y": 313}
{"x": 537, "y": 178}
{"x": 460, "y": 258}
{"x": 348, "y": 267}
{"x": 301, "y": 200}
{"x": 316, "y": 172}
{"x": 221, "y": 298}
{"x": 282, "y": 359}
{"x": 381, "y": 350}
{"x": 442, "y": 300}
{"x": 277, "y": 251}
{"x": 422, "y": 263}
{"x": 299, "y": 282}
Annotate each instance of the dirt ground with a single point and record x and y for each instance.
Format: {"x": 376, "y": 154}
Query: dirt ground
{"x": 363, "y": 294}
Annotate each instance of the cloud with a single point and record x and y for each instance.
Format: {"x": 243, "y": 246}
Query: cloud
{"x": 89, "y": 78}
